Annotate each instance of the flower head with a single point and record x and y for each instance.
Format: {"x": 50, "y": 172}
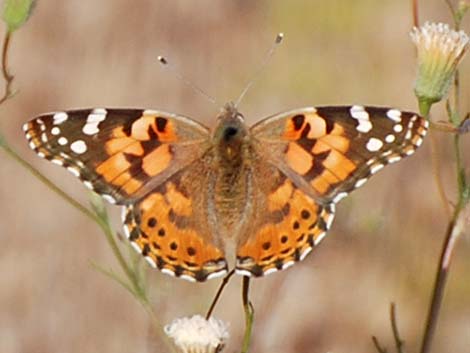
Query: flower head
{"x": 198, "y": 335}
{"x": 440, "y": 49}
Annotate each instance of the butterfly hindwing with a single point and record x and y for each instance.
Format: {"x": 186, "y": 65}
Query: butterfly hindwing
{"x": 172, "y": 229}
{"x": 286, "y": 225}
{"x": 119, "y": 153}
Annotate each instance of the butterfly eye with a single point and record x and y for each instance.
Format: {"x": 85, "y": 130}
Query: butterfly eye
{"x": 230, "y": 132}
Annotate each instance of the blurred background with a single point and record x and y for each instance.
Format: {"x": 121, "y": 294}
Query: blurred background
{"x": 386, "y": 238}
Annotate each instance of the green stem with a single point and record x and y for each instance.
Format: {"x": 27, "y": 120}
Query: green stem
{"x": 424, "y": 107}
{"x": 103, "y": 222}
{"x": 98, "y": 218}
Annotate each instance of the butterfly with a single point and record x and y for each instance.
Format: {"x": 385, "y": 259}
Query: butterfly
{"x": 193, "y": 198}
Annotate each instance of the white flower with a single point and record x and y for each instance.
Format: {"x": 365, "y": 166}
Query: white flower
{"x": 440, "y": 49}
{"x": 198, "y": 335}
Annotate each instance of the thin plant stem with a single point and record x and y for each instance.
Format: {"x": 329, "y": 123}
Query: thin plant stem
{"x": 100, "y": 216}
{"x": 6, "y": 75}
{"x": 436, "y": 171}
{"x": 399, "y": 343}
{"x": 414, "y": 9}
{"x": 10, "y": 152}
{"x": 99, "y": 219}
{"x": 219, "y": 292}
{"x": 249, "y": 314}
{"x": 451, "y": 8}
{"x": 454, "y": 227}
{"x": 452, "y": 233}
{"x": 106, "y": 227}
{"x": 377, "y": 345}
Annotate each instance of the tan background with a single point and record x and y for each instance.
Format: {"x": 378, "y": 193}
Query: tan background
{"x": 386, "y": 237}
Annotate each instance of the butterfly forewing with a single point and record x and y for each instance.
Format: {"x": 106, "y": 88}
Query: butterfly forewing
{"x": 334, "y": 150}
{"x": 119, "y": 153}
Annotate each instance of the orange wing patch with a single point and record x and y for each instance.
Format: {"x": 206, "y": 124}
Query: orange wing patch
{"x": 318, "y": 150}
{"x": 162, "y": 229}
{"x": 278, "y": 245}
{"x": 138, "y": 152}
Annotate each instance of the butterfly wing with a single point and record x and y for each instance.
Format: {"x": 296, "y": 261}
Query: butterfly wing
{"x": 172, "y": 227}
{"x": 286, "y": 223}
{"x": 151, "y": 162}
{"x": 318, "y": 156}
{"x": 119, "y": 153}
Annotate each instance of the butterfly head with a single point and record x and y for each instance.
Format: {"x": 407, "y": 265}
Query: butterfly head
{"x": 230, "y": 131}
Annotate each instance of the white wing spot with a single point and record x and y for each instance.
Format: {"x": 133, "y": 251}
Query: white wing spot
{"x": 287, "y": 264}
{"x": 32, "y": 145}
{"x": 126, "y": 231}
{"x": 340, "y": 196}
{"x": 376, "y": 167}
{"x": 150, "y": 261}
{"x": 74, "y": 171}
{"x": 358, "y": 112}
{"x": 398, "y": 128}
{"x": 62, "y": 141}
{"x": 88, "y": 184}
{"x": 59, "y": 118}
{"x": 96, "y": 117}
{"x": 187, "y": 278}
{"x": 44, "y": 137}
{"x": 136, "y": 247}
{"x": 25, "y": 127}
{"x": 305, "y": 253}
{"x": 271, "y": 270}
{"x": 395, "y": 115}
{"x": 319, "y": 238}
{"x": 109, "y": 198}
{"x": 394, "y": 159}
{"x": 374, "y": 144}
{"x": 418, "y": 142}
{"x": 389, "y": 138}
{"x": 55, "y": 131}
{"x": 242, "y": 272}
{"x": 217, "y": 274}
{"x": 41, "y": 155}
{"x": 79, "y": 147}
{"x": 57, "y": 161}
{"x": 360, "y": 182}
{"x": 123, "y": 214}
{"x": 150, "y": 112}
{"x": 168, "y": 272}
{"x": 330, "y": 218}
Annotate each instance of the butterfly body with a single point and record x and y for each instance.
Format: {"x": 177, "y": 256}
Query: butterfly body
{"x": 189, "y": 193}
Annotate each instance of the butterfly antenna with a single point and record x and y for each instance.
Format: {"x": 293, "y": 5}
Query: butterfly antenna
{"x": 187, "y": 82}
{"x": 267, "y": 58}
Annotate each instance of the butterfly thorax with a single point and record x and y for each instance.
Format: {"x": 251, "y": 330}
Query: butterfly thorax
{"x": 231, "y": 142}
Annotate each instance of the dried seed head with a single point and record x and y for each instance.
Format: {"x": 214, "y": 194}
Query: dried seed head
{"x": 198, "y": 335}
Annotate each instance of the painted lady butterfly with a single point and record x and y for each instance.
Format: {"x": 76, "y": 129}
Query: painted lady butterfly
{"x": 188, "y": 192}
